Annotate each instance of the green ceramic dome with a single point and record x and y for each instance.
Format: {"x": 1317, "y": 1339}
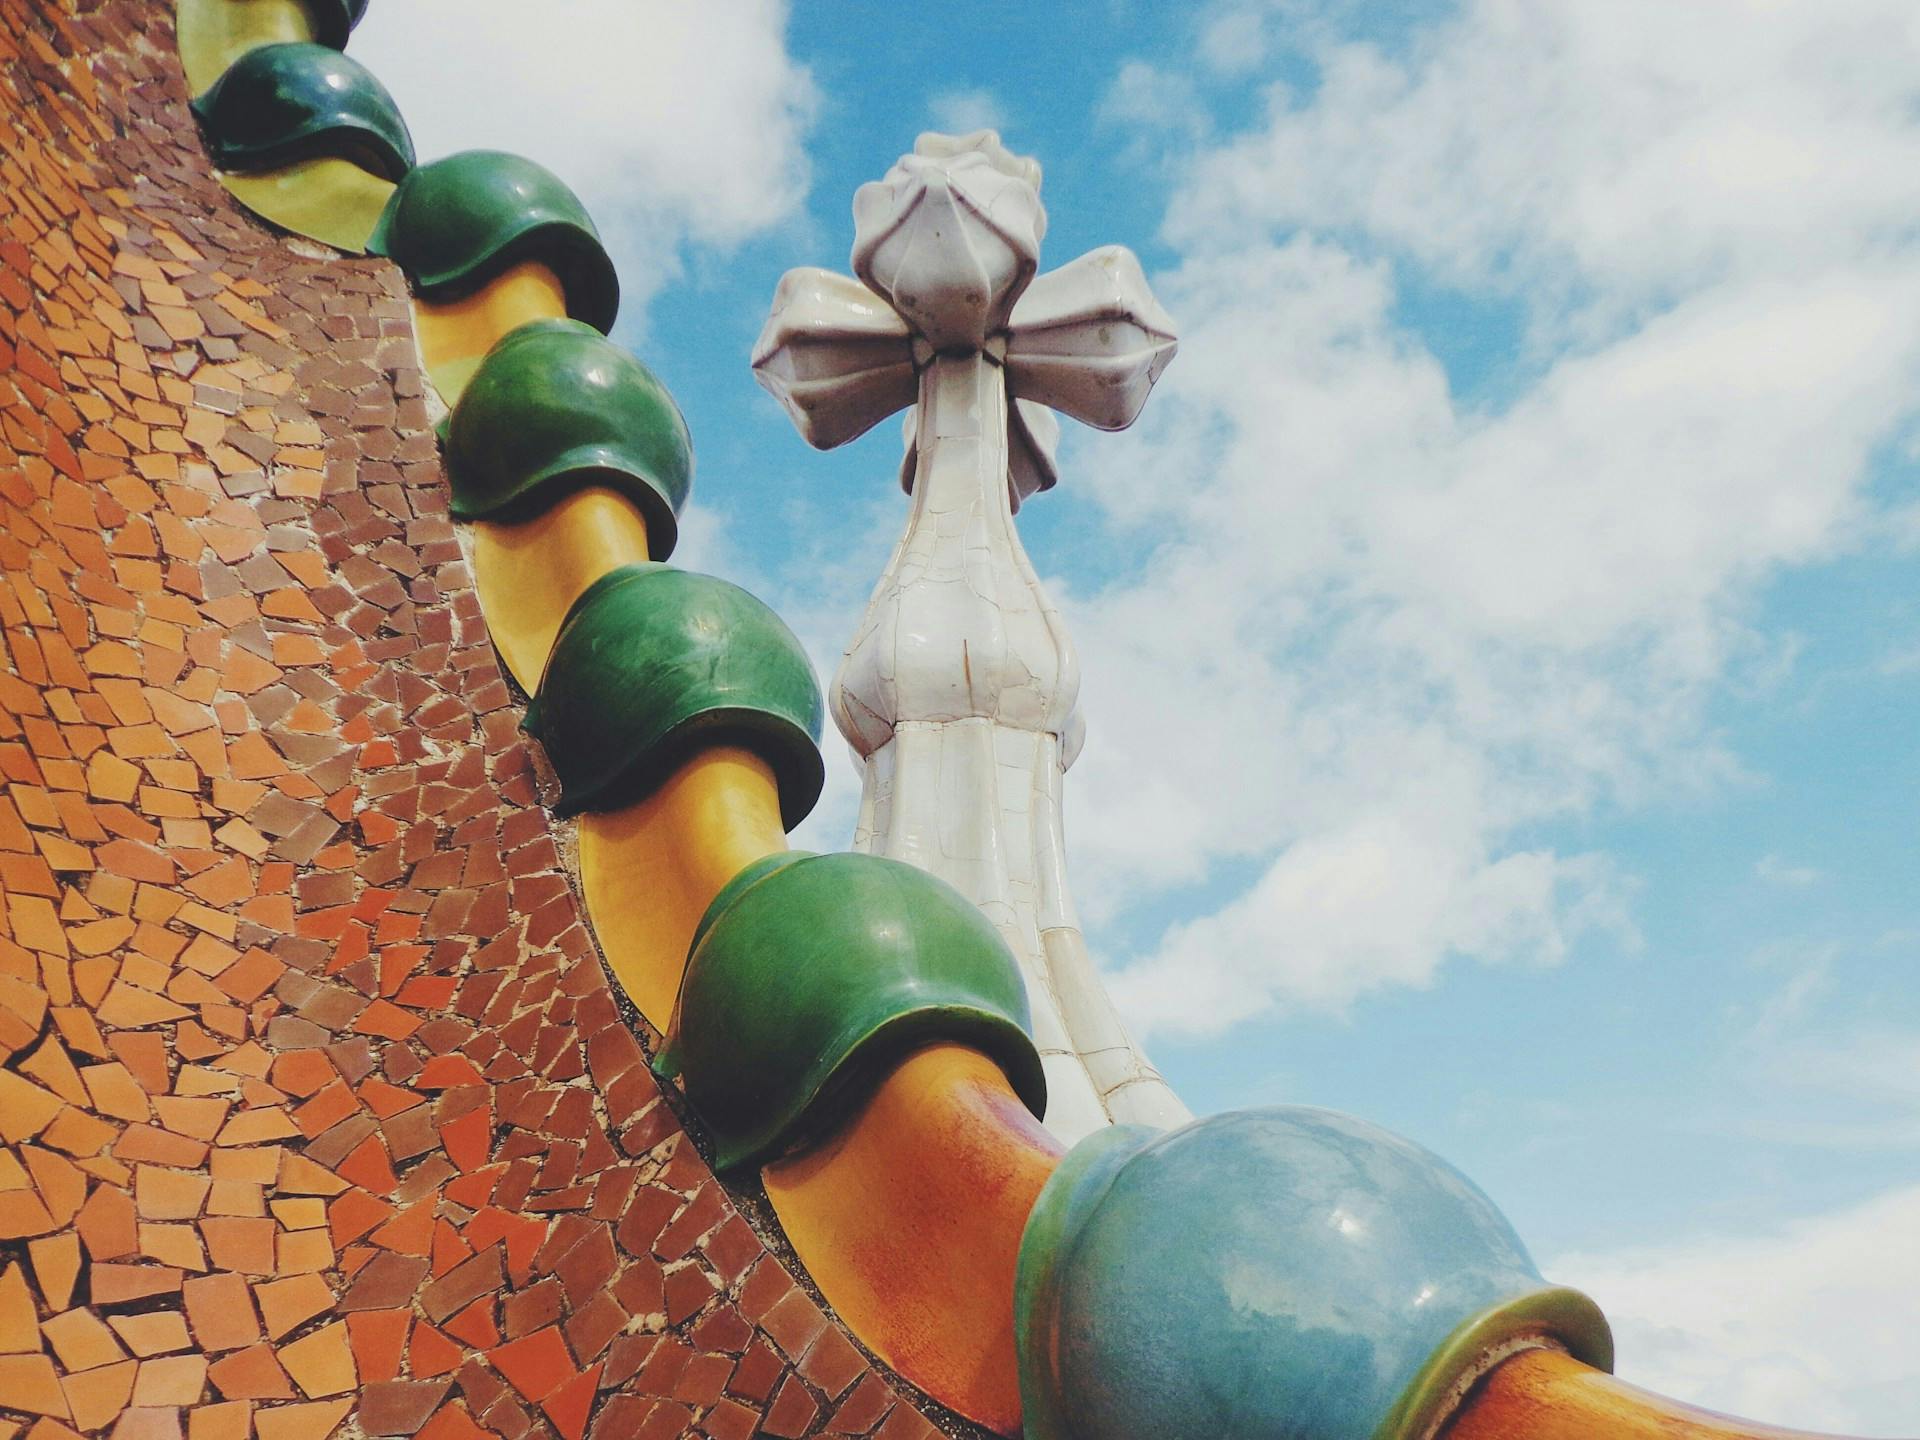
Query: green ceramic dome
{"x": 456, "y": 223}
{"x": 334, "y": 19}
{"x": 811, "y": 975}
{"x": 280, "y": 103}
{"x": 653, "y": 663}
{"x": 556, "y": 405}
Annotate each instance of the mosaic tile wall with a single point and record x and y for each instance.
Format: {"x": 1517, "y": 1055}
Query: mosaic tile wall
{"x": 319, "y": 1115}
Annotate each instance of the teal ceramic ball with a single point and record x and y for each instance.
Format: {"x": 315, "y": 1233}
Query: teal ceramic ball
{"x": 1287, "y": 1273}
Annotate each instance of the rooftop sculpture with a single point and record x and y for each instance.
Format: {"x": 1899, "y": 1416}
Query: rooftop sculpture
{"x": 318, "y": 1109}
{"x": 960, "y": 690}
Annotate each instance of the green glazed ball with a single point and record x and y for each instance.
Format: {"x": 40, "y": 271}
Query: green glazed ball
{"x": 651, "y": 665}
{"x": 811, "y": 975}
{"x": 555, "y": 405}
{"x": 280, "y": 103}
{"x": 455, "y": 224}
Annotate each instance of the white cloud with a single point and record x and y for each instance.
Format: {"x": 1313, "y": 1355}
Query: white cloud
{"x": 1163, "y": 103}
{"x": 1842, "y": 1088}
{"x": 1233, "y": 40}
{"x": 1383, "y": 636}
{"x": 960, "y": 112}
{"x": 1370, "y": 906}
{"x": 1629, "y": 146}
{"x": 674, "y": 123}
{"x": 1776, "y": 871}
{"x": 1809, "y": 1325}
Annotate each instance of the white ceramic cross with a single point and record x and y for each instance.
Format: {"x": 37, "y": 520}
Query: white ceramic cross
{"x": 959, "y": 691}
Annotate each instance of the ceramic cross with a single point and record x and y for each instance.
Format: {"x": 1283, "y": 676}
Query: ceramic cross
{"x": 959, "y": 691}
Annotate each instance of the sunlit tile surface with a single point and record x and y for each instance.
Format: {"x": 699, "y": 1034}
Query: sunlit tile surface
{"x": 317, "y": 1108}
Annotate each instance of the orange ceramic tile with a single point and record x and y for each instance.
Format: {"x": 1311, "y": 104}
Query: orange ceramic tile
{"x": 236, "y": 1197}
{"x": 25, "y": 1108}
{"x": 115, "y": 1092}
{"x": 445, "y": 1071}
{"x": 170, "y": 1380}
{"x": 300, "y": 1212}
{"x": 157, "y": 1332}
{"x": 175, "y": 1245}
{"x": 475, "y": 1325}
{"x": 354, "y": 1214}
{"x": 410, "y": 1232}
{"x": 80, "y": 1341}
{"x": 909, "y": 1220}
{"x": 567, "y": 1408}
{"x": 19, "y": 1322}
{"x": 286, "y": 1303}
{"x": 448, "y": 1248}
{"x": 379, "y": 1340}
{"x": 61, "y": 1184}
{"x": 255, "y": 1165}
{"x": 650, "y": 871}
{"x": 160, "y": 1194}
{"x": 234, "y": 1243}
{"x": 31, "y": 1384}
{"x": 228, "y": 1420}
{"x": 468, "y": 1139}
{"x": 321, "y": 1363}
{"x": 300, "y": 1176}
{"x": 536, "y": 1365}
{"x": 369, "y": 1167}
{"x": 451, "y": 1422}
{"x": 95, "y": 1398}
{"x": 302, "y": 1252}
{"x": 430, "y": 1353}
{"x": 56, "y": 1265}
{"x": 148, "y": 1423}
{"x": 220, "y": 1309}
{"x": 314, "y": 1420}
{"x": 23, "y": 1212}
{"x": 250, "y": 1374}
{"x": 107, "y": 1224}
{"x": 118, "y": 1284}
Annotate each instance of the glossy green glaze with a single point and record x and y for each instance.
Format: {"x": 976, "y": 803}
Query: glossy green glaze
{"x": 554, "y": 406}
{"x": 280, "y": 103}
{"x": 456, "y": 223}
{"x": 1287, "y": 1273}
{"x": 333, "y": 20}
{"x": 812, "y": 974}
{"x": 653, "y": 663}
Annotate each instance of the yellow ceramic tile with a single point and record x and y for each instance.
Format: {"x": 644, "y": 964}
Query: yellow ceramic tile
{"x": 649, "y": 871}
{"x": 322, "y": 197}
{"x": 909, "y": 1220}
{"x": 529, "y": 574}
{"x": 455, "y": 335}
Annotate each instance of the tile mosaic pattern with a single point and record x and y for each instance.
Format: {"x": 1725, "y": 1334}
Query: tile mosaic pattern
{"x": 318, "y": 1112}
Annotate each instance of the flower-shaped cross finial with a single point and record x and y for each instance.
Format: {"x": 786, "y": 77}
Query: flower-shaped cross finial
{"x": 946, "y": 249}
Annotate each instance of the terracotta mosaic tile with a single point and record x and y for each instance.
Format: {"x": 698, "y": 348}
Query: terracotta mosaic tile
{"x": 315, "y": 1095}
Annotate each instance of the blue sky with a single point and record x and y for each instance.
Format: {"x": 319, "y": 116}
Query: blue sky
{"x": 1501, "y": 633}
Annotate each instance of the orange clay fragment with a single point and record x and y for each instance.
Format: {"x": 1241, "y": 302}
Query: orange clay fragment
{"x": 650, "y": 870}
{"x": 909, "y": 1220}
{"x": 529, "y": 574}
{"x": 455, "y": 335}
{"x": 1548, "y": 1395}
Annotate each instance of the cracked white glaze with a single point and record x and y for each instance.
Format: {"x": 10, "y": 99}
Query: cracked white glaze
{"x": 960, "y": 689}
